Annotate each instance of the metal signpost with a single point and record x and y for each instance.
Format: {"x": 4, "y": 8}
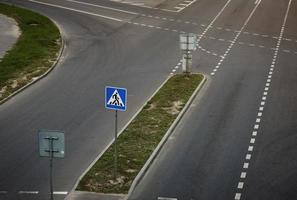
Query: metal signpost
{"x": 52, "y": 145}
{"x": 116, "y": 99}
{"x": 188, "y": 43}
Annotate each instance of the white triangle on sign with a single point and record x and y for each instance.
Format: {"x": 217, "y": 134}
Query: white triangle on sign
{"x": 115, "y": 99}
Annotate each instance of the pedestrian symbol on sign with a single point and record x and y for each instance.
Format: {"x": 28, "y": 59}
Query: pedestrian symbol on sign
{"x": 115, "y": 98}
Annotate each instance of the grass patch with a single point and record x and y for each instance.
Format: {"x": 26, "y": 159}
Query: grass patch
{"x": 34, "y": 52}
{"x": 141, "y": 137}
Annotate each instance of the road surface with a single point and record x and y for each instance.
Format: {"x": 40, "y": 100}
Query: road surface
{"x": 236, "y": 141}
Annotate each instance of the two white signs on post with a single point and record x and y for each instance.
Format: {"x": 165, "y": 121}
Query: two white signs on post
{"x": 188, "y": 41}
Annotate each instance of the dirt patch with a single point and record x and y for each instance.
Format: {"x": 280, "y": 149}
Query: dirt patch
{"x": 175, "y": 108}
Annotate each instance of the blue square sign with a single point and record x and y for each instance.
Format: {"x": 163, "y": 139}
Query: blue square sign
{"x": 116, "y": 98}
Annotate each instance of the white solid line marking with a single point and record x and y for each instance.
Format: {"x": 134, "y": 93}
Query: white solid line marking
{"x": 75, "y": 10}
{"x": 105, "y": 7}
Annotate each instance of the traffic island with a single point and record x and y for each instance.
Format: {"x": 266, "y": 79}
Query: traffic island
{"x": 141, "y": 137}
{"x": 34, "y": 53}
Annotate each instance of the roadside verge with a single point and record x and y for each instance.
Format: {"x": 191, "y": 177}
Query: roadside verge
{"x": 34, "y": 55}
{"x": 143, "y": 138}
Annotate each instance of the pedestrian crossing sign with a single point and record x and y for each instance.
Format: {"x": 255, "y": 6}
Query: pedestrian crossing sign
{"x": 115, "y": 98}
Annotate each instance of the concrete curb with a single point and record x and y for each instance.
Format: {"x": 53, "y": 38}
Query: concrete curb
{"x": 43, "y": 75}
{"x": 164, "y": 139}
{"x": 111, "y": 142}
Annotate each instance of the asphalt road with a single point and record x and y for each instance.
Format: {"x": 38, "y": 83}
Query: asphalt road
{"x": 228, "y": 146}
{"x": 8, "y": 35}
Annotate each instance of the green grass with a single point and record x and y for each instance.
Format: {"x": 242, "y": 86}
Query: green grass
{"x": 141, "y": 137}
{"x": 33, "y": 53}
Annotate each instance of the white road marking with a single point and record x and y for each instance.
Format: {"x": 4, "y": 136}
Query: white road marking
{"x": 240, "y": 185}
{"x": 76, "y": 10}
{"x": 251, "y": 148}
{"x": 166, "y": 198}
{"x": 105, "y": 7}
{"x": 254, "y": 133}
{"x": 60, "y": 192}
{"x": 264, "y": 97}
{"x": 243, "y": 175}
{"x": 260, "y": 114}
{"x": 237, "y": 196}
{"x": 28, "y": 192}
{"x": 248, "y": 156}
{"x": 238, "y": 34}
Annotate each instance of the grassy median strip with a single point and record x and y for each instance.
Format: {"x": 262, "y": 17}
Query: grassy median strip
{"x": 34, "y": 52}
{"x": 141, "y": 137}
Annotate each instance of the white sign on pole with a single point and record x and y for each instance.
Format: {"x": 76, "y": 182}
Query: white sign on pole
{"x": 188, "y": 41}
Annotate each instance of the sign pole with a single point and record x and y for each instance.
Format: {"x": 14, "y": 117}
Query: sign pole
{"x": 187, "y": 54}
{"x": 115, "y": 145}
{"x": 51, "y": 145}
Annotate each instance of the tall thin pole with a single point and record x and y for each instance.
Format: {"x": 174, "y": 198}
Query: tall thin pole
{"x": 115, "y": 146}
{"x": 51, "y": 140}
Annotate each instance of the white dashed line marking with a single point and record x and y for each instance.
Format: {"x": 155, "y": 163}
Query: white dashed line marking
{"x": 237, "y": 196}
{"x": 243, "y": 175}
{"x": 60, "y": 193}
{"x": 261, "y": 108}
{"x": 251, "y": 148}
{"x": 240, "y": 185}
{"x": 28, "y": 192}
{"x": 254, "y": 133}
